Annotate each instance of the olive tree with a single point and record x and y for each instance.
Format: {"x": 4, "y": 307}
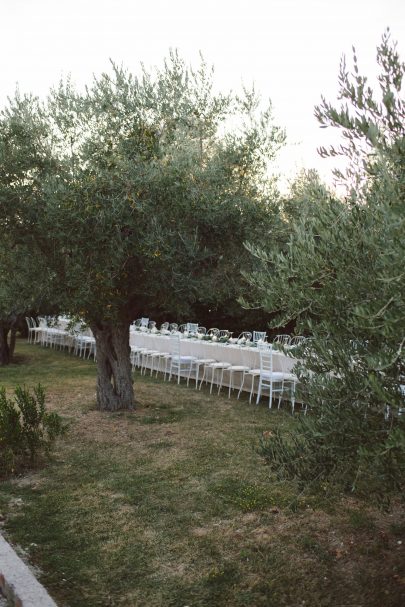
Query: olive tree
{"x": 24, "y": 161}
{"x": 147, "y": 199}
{"x": 341, "y": 276}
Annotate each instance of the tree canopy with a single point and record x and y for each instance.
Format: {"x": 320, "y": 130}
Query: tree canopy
{"x": 140, "y": 196}
{"x": 341, "y": 276}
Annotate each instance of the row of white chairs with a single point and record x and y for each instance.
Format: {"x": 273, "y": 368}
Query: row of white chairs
{"x": 174, "y": 364}
{"x": 208, "y": 370}
{"x": 53, "y": 337}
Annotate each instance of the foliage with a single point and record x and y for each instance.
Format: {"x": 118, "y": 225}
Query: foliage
{"x": 27, "y": 429}
{"x": 139, "y": 197}
{"x": 23, "y": 269}
{"x": 341, "y": 275}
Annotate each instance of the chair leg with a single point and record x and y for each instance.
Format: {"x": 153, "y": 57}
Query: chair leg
{"x": 251, "y": 389}
{"x": 230, "y": 383}
{"x": 212, "y": 380}
{"x": 203, "y": 377}
{"x": 292, "y": 398}
{"x": 242, "y": 381}
{"x": 258, "y": 392}
{"x": 220, "y": 382}
{"x": 281, "y": 394}
{"x": 197, "y": 373}
{"x": 166, "y": 369}
{"x": 189, "y": 374}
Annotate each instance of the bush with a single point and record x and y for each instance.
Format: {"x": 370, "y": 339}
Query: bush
{"x": 346, "y": 448}
{"x": 27, "y": 430}
{"x": 341, "y": 278}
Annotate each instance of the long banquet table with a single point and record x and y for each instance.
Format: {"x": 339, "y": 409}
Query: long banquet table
{"x": 230, "y": 353}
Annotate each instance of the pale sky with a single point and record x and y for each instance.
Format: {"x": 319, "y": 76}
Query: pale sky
{"x": 290, "y": 49}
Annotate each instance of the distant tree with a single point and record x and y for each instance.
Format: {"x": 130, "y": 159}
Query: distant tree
{"x": 24, "y": 161}
{"x": 306, "y": 193}
{"x": 148, "y": 200}
{"x": 342, "y": 277}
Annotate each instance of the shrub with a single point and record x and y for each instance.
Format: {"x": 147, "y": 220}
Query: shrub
{"x": 341, "y": 278}
{"x": 27, "y": 430}
{"x": 346, "y": 447}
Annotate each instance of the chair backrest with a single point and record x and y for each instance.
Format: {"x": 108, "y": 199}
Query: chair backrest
{"x": 283, "y": 340}
{"x": 297, "y": 340}
{"x": 259, "y": 335}
{"x": 246, "y": 335}
{"x": 224, "y": 333}
{"x": 141, "y": 322}
{"x": 175, "y": 345}
{"x": 192, "y": 327}
{"x": 266, "y": 358}
{"x": 213, "y": 331}
{"x": 151, "y": 324}
{"x": 164, "y": 326}
{"x": 202, "y": 330}
{"x": 173, "y": 326}
{"x": 29, "y": 322}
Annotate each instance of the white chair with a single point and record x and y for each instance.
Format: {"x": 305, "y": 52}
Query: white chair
{"x": 220, "y": 367}
{"x": 297, "y": 340}
{"x": 135, "y": 356}
{"x": 282, "y": 340}
{"x": 84, "y": 344}
{"x": 215, "y": 366}
{"x": 92, "y": 348}
{"x": 253, "y": 373}
{"x": 259, "y": 336}
{"x": 268, "y": 379}
{"x": 243, "y": 369}
{"x": 31, "y": 325}
{"x": 290, "y": 383}
{"x": 245, "y": 336}
{"x": 141, "y": 322}
{"x": 60, "y": 339}
{"x": 147, "y": 356}
{"x": 192, "y": 327}
{"x": 198, "y": 363}
{"x": 178, "y": 363}
{"x": 38, "y": 333}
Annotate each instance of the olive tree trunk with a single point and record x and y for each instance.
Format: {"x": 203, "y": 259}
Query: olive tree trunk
{"x": 5, "y": 356}
{"x": 13, "y": 337}
{"x": 114, "y": 377}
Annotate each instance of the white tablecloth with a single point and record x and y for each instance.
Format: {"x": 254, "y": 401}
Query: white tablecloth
{"x": 230, "y": 353}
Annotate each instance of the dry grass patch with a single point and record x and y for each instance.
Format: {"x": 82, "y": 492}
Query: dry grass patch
{"x": 171, "y": 505}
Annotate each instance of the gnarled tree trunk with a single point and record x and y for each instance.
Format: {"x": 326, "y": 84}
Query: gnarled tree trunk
{"x": 114, "y": 378}
{"x": 5, "y": 357}
{"x": 13, "y": 337}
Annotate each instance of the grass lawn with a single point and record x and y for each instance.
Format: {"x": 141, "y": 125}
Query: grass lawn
{"x": 172, "y": 506}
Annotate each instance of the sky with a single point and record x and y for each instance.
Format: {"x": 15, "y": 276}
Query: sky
{"x": 289, "y": 49}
